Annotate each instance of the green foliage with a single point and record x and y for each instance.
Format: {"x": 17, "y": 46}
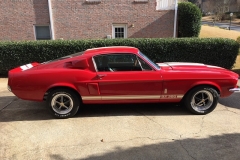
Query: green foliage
{"x": 238, "y": 39}
{"x": 193, "y": 1}
{"x": 214, "y": 51}
{"x": 189, "y": 20}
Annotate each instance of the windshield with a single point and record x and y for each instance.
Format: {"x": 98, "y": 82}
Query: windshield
{"x": 147, "y": 59}
{"x": 65, "y": 57}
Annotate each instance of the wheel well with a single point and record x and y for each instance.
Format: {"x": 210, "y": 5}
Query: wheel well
{"x": 205, "y": 85}
{"x": 60, "y": 87}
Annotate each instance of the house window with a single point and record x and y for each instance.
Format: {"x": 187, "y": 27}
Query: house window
{"x": 42, "y": 33}
{"x": 119, "y": 31}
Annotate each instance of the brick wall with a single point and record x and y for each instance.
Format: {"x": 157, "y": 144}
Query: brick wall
{"x": 76, "y": 19}
{"x": 18, "y": 17}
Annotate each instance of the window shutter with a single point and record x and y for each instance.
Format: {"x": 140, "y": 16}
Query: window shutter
{"x": 165, "y": 4}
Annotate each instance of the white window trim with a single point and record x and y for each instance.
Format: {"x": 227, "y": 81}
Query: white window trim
{"x": 119, "y": 25}
{"x": 35, "y": 32}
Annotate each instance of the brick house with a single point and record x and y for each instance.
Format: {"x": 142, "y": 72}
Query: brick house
{"x": 86, "y": 19}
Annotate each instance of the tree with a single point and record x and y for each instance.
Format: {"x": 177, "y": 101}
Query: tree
{"x": 218, "y": 7}
{"x": 221, "y": 7}
{"x": 193, "y": 1}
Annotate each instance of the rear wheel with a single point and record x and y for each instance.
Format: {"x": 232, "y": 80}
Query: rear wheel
{"x": 201, "y": 100}
{"x": 63, "y": 103}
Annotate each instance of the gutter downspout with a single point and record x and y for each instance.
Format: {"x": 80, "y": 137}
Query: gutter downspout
{"x": 175, "y": 19}
{"x": 51, "y": 19}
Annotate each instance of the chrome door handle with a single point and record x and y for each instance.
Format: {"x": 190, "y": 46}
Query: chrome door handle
{"x": 101, "y": 75}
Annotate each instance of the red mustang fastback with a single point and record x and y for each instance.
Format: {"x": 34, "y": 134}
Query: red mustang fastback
{"x": 120, "y": 75}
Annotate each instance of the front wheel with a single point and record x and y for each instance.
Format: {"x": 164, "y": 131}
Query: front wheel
{"x": 63, "y": 103}
{"x": 201, "y": 100}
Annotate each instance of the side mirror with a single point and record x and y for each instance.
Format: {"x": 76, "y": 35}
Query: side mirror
{"x": 81, "y": 64}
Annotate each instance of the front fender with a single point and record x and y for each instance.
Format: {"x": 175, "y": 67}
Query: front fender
{"x": 206, "y": 83}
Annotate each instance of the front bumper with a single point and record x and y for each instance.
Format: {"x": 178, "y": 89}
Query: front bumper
{"x": 234, "y": 90}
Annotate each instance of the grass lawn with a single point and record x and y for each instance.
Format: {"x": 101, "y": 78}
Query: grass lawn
{"x": 208, "y": 31}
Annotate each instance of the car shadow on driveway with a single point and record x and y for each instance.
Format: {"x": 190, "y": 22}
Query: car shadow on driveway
{"x": 232, "y": 101}
{"x": 162, "y": 109}
{"x": 21, "y": 110}
{"x": 14, "y": 109}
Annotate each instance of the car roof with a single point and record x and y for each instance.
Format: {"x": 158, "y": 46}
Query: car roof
{"x": 111, "y": 49}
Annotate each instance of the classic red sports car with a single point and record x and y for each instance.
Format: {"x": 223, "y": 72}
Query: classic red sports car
{"x": 120, "y": 75}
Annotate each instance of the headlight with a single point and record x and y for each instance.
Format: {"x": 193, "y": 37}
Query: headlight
{"x": 9, "y": 88}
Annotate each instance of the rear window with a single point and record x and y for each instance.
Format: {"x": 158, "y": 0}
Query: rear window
{"x": 65, "y": 57}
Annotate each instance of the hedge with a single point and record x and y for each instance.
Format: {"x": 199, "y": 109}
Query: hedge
{"x": 213, "y": 51}
{"x": 189, "y": 20}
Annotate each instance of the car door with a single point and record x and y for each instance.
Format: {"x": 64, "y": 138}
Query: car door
{"x": 125, "y": 77}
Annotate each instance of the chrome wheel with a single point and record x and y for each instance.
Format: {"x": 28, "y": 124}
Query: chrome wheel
{"x": 202, "y": 100}
{"x": 62, "y": 103}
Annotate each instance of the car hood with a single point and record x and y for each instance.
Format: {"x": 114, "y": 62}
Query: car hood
{"x": 187, "y": 66}
{"x": 183, "y": 66}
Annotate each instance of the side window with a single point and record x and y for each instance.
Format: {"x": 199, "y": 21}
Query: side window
{"x": 144, "y": 65}
{"x": 117, "y": 62}
{"x": 99, "y": 62}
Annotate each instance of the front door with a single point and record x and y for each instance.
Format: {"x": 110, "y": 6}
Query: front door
{"x": 127, "y": 78}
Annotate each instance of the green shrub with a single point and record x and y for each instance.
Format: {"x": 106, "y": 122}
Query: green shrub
{"x": 189, "y": 20}
{"x": 238, "y": 40}
{"x": 213, "y": 51}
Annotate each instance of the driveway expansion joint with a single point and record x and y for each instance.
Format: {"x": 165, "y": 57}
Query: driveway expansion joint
{"x": 156, "y": 122}
{"x": 15, "y": 99}
{"x": 186, "y": 151}
{"x": 201, "y": 126}
{"x": 231, "y": 111}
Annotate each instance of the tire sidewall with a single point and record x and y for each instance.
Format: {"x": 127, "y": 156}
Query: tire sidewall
{"x": 190, "y": 95}
{"x": 74, "y": 98}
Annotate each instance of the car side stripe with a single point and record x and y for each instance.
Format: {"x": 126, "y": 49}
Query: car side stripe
{"x": 91, "y": 98}
{"x": 130, "y": 97}
{"x": 124, "y": 97}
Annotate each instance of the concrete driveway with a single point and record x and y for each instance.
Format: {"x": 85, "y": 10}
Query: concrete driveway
{"x": 139, "y": 131}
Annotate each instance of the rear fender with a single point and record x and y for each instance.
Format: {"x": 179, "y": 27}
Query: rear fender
{"x": 58, "y": 85}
